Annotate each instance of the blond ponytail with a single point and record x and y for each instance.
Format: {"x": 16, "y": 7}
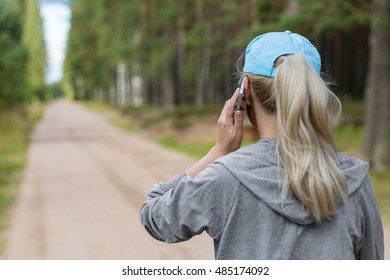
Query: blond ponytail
{"x": 306, "y": 109}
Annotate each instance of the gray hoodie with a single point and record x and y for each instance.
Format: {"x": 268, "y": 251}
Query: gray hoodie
{"x": 237, "y": 201}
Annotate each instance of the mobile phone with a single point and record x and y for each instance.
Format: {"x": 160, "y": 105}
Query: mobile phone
{"x": 241, "y": 93}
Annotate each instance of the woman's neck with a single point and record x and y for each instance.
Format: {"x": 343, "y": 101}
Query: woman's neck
{"x": 266, "y": 124}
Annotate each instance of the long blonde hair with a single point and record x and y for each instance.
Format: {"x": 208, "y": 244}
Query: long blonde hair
{"x": 306, "y": 109}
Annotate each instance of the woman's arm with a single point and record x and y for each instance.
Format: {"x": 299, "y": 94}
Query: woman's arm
{"x": 230, "y": 131}
{"x": 183, "y": 207}
{"x": 187, "y": 205}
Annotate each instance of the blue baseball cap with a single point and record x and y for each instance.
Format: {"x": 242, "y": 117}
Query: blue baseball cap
{"x": 264, "y": 50}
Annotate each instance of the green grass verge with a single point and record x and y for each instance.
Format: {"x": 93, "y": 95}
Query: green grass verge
{"x": 196, "y": 150}
{"x": 381, "y": 183}
{"x": 15, "y": 128}
{"x": 349, "y": 137}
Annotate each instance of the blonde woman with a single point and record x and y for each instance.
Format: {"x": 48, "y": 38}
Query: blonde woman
{"x": 289, "y": 196}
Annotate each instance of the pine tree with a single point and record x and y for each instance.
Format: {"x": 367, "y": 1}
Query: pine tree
{"x": 34, "y": 42}
{"x": 13, "y": 55}
{"x": 377, "y": 132}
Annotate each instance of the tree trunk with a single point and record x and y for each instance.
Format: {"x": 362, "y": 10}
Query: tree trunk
{"x": 167, "y": 88}
{"x": 377, "y": 134}
{"x": 293, "y": 7}
{"x": 121, "y": 84}
{"x": 203, "y": 77}
{"x": 181, "y": 55}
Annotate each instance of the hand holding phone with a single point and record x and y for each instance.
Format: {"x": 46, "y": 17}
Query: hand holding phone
{"x": 241, "y": 93}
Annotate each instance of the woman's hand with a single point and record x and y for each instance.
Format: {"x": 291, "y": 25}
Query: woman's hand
{"x": 230, "y": 127}
{"x": 229, "y": 136}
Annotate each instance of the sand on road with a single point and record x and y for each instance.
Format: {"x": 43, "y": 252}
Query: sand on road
{"x": 82, "y": 190}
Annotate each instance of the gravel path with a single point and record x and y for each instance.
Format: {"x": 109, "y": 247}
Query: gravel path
{"x": 387, "y": 243}
{"x": 83, "y": 186}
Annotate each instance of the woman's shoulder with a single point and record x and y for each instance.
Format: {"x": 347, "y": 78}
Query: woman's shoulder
{"x": 345, "y": 161}
{"x": 264, "y": 147}
{"x": 261, "y": 153}
{"x": 355, "y": 171}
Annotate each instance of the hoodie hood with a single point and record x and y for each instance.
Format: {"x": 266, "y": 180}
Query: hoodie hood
{"x": 258, "y": 169}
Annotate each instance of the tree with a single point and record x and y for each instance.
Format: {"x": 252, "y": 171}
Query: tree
{"x": 34, "y": 42}
{"x": 23, "y": 52}
{"x": 13, "y": 55}
{"x": 82, "y": 63}
{"x": 377, "y": 133}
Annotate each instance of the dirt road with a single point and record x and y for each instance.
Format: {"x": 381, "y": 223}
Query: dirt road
{"x": 83, "y": 186}
{"x": 82, "y": 190}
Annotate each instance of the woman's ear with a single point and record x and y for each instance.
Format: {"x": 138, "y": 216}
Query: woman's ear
{"x": 248, "y": 91}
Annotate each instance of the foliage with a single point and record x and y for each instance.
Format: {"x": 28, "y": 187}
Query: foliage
{"x": 35, "y": 45}
{"x": 54, "y": 90}
{"x": 183, "y": 52}
{"x": 22, "y": 59}
{"x": 13, "y": 54}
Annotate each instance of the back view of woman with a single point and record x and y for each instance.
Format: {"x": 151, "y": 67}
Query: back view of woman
{"x": 289, "y": 196}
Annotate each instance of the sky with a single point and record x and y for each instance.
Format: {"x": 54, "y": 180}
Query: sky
{"x": 56, "y": 23}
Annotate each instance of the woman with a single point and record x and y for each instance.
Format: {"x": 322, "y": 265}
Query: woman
{"x": 289, "y": 196}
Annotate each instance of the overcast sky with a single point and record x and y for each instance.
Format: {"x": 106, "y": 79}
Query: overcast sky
{"x": 56, "y": 22}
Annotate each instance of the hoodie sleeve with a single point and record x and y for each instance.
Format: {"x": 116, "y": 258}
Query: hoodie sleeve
{"x": 372, "y": 246}
{"x": 183, "y": 207}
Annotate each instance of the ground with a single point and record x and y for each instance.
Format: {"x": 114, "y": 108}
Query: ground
{"x": 82, "y": 190}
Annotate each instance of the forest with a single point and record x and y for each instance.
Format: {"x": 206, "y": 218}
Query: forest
{"x": 22, "y": 53}
{"x": 171, "y": 53}
{"x": 183, "y": 53}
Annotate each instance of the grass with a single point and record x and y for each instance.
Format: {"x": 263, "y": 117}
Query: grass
{"x": 196, "y": 150}
{"x": 381, "y": 184}
{"x": 15, "y": 128}
{"x": 349, "y": 137}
